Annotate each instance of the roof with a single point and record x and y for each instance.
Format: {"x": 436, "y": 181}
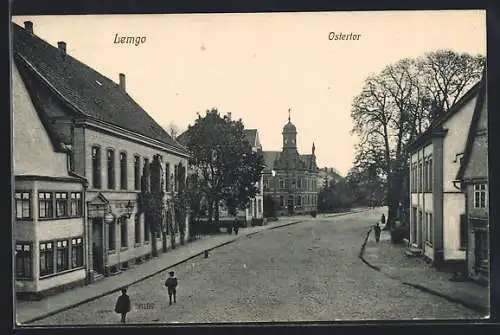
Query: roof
{"x": 472, "y": 128}
{"x": 308, "y": 161}
{"x": 269, "y": 158}
{"x": 88, "y": 92}
{"x": 436, "y": 127}
{"x": 289, "y": 127}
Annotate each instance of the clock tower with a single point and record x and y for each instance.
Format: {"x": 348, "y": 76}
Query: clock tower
{"x": 289, "y": 135}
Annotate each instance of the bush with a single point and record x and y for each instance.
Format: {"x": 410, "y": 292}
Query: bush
{"x": 257, "y": 222}
{"x": 399, "y": 233}
{"x": 313, "y": 214}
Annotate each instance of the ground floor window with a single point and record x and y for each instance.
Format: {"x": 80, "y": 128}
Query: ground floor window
{"x": 429, "y": 228}
{"x": 46, "y": 258}
{"x": 62, "y": 258}
{"x": 137, "y": 226}
{"x": 76, "y": 252}
{"x": 123, "y": 232}
{"x": 23, "y": 260}
{"x": 282, "y": 201}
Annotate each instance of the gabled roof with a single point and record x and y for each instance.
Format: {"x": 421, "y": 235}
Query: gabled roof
{"x": 436, "y": 128}
{"x": 88, "y": 92}
{"x": 473, "y": 127}
{"x": 269, "y": 158}
{"x": 308, "y": 161}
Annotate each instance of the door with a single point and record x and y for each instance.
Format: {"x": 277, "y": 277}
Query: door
{"x": 290, "y": 204}
{"x": 97, "y": 245}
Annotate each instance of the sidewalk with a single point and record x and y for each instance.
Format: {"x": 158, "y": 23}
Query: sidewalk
{"x": 29, "y": 311}
{"x": 390, "y": 259}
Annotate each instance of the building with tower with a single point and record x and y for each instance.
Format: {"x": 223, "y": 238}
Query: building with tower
{"x": 291, "y": 178}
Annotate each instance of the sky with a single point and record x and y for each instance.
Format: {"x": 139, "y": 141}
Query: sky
{"x": 256, "y": 66}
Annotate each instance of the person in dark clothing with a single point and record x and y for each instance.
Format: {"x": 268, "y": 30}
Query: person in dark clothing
{"x": 382, "y": 219}
{"x": 235, "y": 227}
{"x": 377, "y": 231}
{"x": 123, "y": 305}
{"x": 171, "y": 284}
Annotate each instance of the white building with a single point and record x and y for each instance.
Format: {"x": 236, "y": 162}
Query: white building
{"x": 438, "y": 226}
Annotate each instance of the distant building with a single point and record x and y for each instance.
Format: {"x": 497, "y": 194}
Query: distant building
{"x": 473, "y": 177}
{"x": 97, "y": 133}
{"x": 327, "y": 175}
{"x": 438, "y": 225}
{"x": 291, "y": 179}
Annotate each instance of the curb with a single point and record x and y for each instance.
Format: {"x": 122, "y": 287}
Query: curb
{"x": 65, "y": 308}
{"x": 473, "y": 306}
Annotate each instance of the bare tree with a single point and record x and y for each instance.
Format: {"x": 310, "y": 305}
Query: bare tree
{"x": 398, "y": 104}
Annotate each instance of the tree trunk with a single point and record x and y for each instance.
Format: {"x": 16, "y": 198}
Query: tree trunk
{"x": 210, "y": 211}
{"x": 154, "y": 250}
{"x": 164, "y": 241}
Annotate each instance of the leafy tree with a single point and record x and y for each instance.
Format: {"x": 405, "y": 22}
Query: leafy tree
{"x": 398, "y": 104}
{"x": 223, "y": 161}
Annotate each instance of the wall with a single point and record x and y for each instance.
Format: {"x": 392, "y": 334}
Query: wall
{"x": 453, "y": 206}
{"x": 454, "y": 143}
{"x": 33, "y": 153}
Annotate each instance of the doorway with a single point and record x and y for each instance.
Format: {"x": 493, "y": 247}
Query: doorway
{"x": 290, "y": 204}
{"x": 97, "y": 245}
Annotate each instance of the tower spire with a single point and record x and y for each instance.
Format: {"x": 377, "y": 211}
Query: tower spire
{"x": 289, "y": 109}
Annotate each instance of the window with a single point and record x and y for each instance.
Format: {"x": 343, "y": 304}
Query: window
{"x": 146, "y": 228}
{"x": 96, "y": 167}
{"x": 167, "y": 177}
{"x": 299, "y": 183}
{"x": 123, "y": 232}
{"x": 176, "y": 177}
{"x": 463, "y": 231}
{"x": 46, "y": 258}
{"x": 429, "y": 228}
{"x": 429, "y": 175}
{"x": 76, "y": 252}
{"x": 23, "y": 205}
{"x": 111, "y": 236}
{"x": 111, "y": 169}
{"x": 282, "y": 201}
{"x": 123, "y": 170}
{"x": 76, "y": 204}
{"x": 420, "y": 179}
{"x": 23, "y": 260}
{"x": 137, "y": 225}
{"x": 62, "y": 256}
{"x": 480, "y": 196}
{"x": 61, "y": 204}
{"x": 45, "y": 205}
{"x": 137, "y": 173}
{"x": 425, "y": 181}
{"x": 299, "y": 200}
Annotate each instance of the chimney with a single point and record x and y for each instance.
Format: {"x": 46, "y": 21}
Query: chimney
{"x": 28, "y": 26}
{"x": 62, "y": 47}
{"x": 122, "y": 81}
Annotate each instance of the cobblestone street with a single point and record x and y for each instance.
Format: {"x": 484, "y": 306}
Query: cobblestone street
{"x": 304, "y": 272}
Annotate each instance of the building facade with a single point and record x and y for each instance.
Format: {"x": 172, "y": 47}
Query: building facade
{"x": 255, "y": 208}
{"x": 107, "y": 139}
{"x": 290, "y": 178}
{"x": 473, "y": 177}
{"x": 438, "y": 229}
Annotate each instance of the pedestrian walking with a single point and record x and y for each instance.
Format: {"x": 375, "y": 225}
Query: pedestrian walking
{"x": 235, "y": 227}
{"x": 382, "y": 219}
{"x": 377, "y": 231}
{"x": 122, "y": 305}
{"x": 171, "y": 284}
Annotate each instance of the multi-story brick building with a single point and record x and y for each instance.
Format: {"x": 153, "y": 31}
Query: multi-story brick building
{"x": 473, "y": 177}
{"x": 438, "y": 226}
{"x": 106, "y": 138}
{"x": 290, "y": 178}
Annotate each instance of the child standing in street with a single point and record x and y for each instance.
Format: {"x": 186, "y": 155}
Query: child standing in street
{"x": 122, "y": 305}
{"x": 171, "y": 284}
